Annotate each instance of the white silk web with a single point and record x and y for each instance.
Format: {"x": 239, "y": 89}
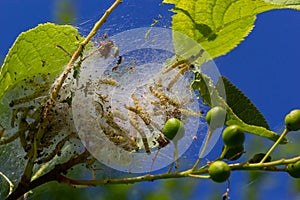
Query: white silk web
{"x": 120, "y": 108}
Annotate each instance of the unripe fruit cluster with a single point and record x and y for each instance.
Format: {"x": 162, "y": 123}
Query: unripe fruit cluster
{"x": 233, "y": 137}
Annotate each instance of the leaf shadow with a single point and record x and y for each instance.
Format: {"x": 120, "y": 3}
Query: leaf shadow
{"x": 204, "y": 29}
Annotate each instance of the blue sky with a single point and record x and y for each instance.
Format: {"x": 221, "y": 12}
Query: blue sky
{"x": 265, "y": 66}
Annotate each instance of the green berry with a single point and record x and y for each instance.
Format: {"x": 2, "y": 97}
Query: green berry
{"x": 173, "y": 129}
{"x": 219, "y": 171}
{"x": 234, "y": 153}
{"x": 215, "y": 117}
{"x": 294, "y": 169}
{"x": 233, "y": 136}
{"x": 292, "y": 120}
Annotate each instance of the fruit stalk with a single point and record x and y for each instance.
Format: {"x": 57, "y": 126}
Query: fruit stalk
{"x": 274, "y": 146}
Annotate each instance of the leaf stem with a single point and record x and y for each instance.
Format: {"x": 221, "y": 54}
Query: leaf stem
{"x": 274, "y": 146}
{"x": 209, "y": 133}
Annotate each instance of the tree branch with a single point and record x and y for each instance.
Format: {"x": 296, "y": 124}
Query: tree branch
{"x": 52, "y": 175}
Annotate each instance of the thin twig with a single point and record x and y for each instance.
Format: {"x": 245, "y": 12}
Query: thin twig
{"x": 207, "y": 139}
{"x": 147, "y": 177}
{"x": 76, "y": 55}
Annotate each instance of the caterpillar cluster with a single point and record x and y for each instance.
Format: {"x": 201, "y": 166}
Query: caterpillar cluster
{"x": 25, "y": 105}
{"x": 119, "y": 113}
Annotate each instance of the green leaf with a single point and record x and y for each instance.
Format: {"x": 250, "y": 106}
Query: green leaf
{"x": 37, "y": 53}
{"x": 241, "y": 105}
{"x": 219, "y": 26}
{"x": 295, "y": 4}
{"x": 233, "y": 119}
{"x": 211, "y": 96}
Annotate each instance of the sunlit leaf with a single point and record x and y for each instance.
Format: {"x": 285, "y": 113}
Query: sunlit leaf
{"x": 219, "y": 26}
{"x": 289, "y": 3}
{"x": 38, "y": 52}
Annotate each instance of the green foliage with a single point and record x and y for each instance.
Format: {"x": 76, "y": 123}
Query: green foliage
{"x": 211, "y": 96}
{"x": 219, "y": 26}
{"x": 289, "y": 3}
{"x": 241, "y": 105}
{"x": 36, "y": 53}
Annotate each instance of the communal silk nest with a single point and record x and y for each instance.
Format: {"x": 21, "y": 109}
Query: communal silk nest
{"x": 120, "y": 108}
